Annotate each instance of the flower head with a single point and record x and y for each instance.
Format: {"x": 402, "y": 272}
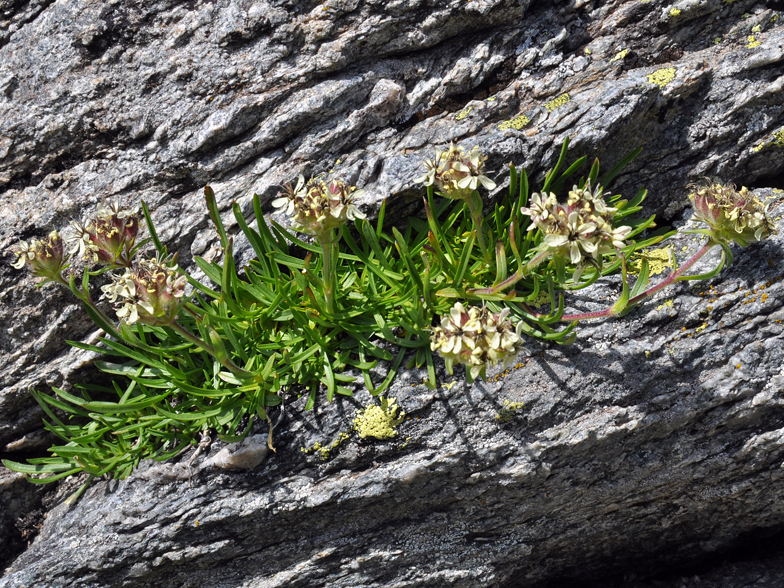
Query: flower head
{"x": 456, "y": 173}
{"x": 45, "y": 258}
{"x": 319, "y": 206}
{"x": 731, "y": 215}
{"x": 108, "y": 237}
{"x": 581, "y": 230}
{"x": 150, "y": 293}
{"x": 475, "y": 337}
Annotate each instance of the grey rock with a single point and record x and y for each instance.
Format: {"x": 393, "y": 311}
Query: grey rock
{"x": 620, "y": 455}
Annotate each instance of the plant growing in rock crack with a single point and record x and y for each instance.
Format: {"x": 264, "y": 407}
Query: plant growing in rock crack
{"x": 190, "y": 360}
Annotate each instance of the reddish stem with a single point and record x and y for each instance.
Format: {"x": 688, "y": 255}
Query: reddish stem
{"x": 671, "y": 279}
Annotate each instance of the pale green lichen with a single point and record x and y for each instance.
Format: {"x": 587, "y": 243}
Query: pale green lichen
{"x": 659, "y": 261}
{"x": 555, "y": 103}
{"x": 515, "y": 123}
{"x": 324, "y": 451}
{"x": 509, "y": 411}
{"x": 464, "y": 113}
{"x": 661, "y": 77}
{"x": 379, "y": 421}
{"x": 620, "y": 55}
{"x": 776, "y": 141}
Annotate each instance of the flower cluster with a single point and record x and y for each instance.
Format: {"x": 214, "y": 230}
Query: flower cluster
{"x": 475, "y": 337}
{"x": 107, "y": 238}
{"x": 44, "y": 258}
{"x": 318, "y": 206}
{"x": 731, "y": 215}
{"x": 151, "y": 293}
{"x": 580, "y": 230}
{"x": 455, "y": 173}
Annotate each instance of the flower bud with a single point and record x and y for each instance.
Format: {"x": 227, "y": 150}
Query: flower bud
{"x": 731, "y": 215}
{"x": 44, "y": 258}
{"x": 319, "y": 206}
{"x": 150, "y": 293}
{"x": 475, "y": 337}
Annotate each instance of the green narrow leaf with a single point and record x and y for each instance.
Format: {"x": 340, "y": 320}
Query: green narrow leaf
{"x": 553, "y": 172}
{"x": 500, "y": 263}
{"x": 40, "y": 468}
{"x": 593, "y": 175}
{"x": 405, "y": 255}
{"x": 465, "y": 258}
{"x": 619, "y": 168}
{"x": 642, "y": 279}
{"x": 212, "y": 207}
{"x": 329, "y": 377}
{"x": 151, "y": 229}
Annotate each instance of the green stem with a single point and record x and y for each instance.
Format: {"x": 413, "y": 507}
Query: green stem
{"x": 474, "y": 202}
{"x": 88, "y": 301}
{"x": 224, "y": 361}
{"x": 329, "y": 249}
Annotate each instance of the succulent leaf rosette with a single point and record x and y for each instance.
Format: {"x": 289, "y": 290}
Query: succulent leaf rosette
{"x": 476, "y": 337}
{"x": 581, "y": 230}
{"x": 731, "y": 215}
{"x": 455, "y": 173}
{"x": 150, "y": 293}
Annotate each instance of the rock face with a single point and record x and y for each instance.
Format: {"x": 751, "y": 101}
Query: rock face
{"x": 655, "y": 438}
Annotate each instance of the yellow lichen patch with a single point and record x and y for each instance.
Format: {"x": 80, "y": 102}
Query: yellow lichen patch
{"x": 675, "y": 12}
{"x": 325, "y": 450}
{"x": 776, "y": 141}
{"x": 620, "y": 55}
{"x": 587, "y": 51}
{"x": 659, "y": 261}
{"x": 661, "y": 77}
{"x": 379, "y": 421}
{"x": 404, "y": 444}
{"x": 555, "y": 103}
{"x": 449, "y": 385}
{"x": 753, "y": 42}
{"x": 728, "y": 1}
{"x": 701, "y": 328}
{"x": 515, "y": 123}
{"x": 491, "y": 99}
{"x": 665, "y": 304}
{"x": 509, "y": 411}
{"x": 756, "y": 29}
{"x": 463, "y": 113}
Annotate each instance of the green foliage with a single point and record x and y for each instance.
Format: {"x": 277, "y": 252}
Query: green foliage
{"x": 305, "y": 317}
